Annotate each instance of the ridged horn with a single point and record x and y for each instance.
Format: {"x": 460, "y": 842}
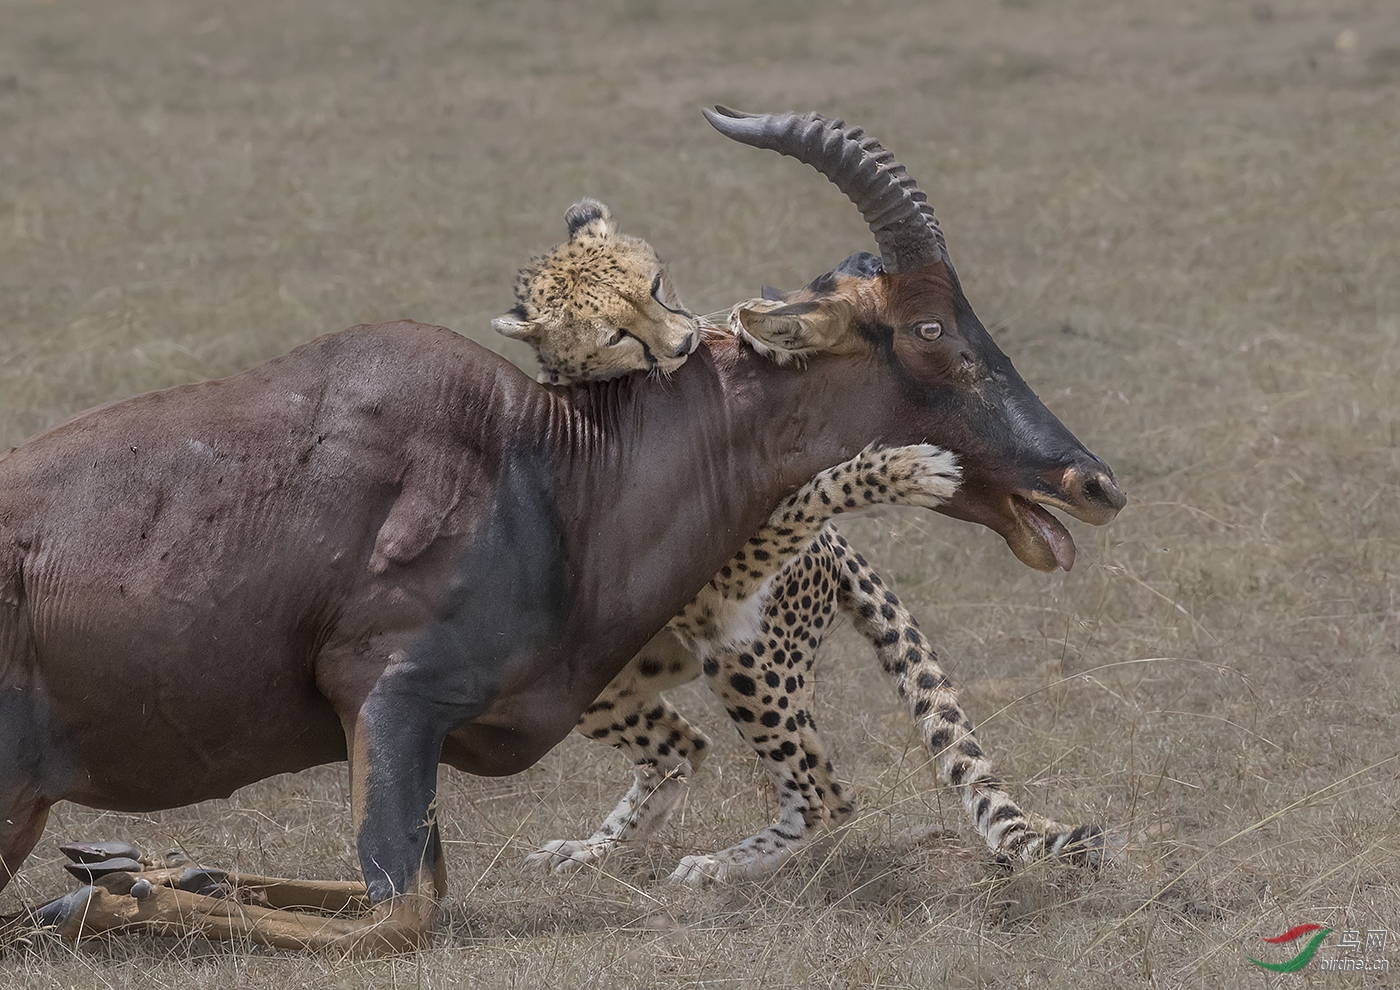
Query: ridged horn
{"x": 886, "y": 195}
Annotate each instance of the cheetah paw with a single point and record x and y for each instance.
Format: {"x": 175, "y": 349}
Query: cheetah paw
{"x": 698, "y": 871}
{"x": 924, "y": 475}
{"x": 567, "y": 855}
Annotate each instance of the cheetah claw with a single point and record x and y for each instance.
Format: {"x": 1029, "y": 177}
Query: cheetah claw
{"x": 698, "y": 871}
{"x": 568, "y": 855}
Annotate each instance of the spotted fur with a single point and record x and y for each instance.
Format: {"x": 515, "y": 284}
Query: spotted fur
{"x": 599, "y": 305}
{"x": 753, "y": 633}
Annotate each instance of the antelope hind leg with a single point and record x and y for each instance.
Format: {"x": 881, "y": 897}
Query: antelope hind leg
{"x": 340, "y": 897}
{"x": 110, "y": 906}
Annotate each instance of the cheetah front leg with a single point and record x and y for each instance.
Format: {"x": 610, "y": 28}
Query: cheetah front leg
{"x": 665, "y": 749}
{"x": 919, "y": 474}
{"x": 910, "y": 660}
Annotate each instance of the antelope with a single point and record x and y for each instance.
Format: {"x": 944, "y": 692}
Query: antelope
{"x": 390, "y": 546}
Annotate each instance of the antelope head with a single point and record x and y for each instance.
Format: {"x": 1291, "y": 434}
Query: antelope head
{"x": 941, "y": 377}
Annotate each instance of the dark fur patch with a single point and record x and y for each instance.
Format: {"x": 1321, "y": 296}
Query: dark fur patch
{"x": 582, "y": 213}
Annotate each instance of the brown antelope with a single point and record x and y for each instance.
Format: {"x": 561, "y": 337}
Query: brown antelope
{"x": 392, "y": 547}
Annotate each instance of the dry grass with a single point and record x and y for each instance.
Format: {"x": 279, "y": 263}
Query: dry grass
{"x": 1184, "y": 219}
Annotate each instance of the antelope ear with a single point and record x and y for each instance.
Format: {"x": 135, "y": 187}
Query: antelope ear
{"x": 517, "y": 325}
{"x": 589, "y": 218}
{"x": 770, "y": 293}
{"x": 781, "y": 331}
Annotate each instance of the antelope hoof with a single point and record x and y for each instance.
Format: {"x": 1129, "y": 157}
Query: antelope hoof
{"x": 90, "y": 871}
{"x": 58, "y": 913}
{"x": 96, "y": 852}
{"x": 202, "y": 880}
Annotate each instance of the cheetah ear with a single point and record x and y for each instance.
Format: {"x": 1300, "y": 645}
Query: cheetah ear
{"x": 517, "y": 325}
{"x": 588, "y": 217}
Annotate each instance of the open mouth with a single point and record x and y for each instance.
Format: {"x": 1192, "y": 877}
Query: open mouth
{"x": 1043, "y": 542}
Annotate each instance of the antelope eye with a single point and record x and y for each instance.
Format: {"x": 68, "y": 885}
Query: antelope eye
{"x": 656, "y": 287}
{"x": 931, "y": 330}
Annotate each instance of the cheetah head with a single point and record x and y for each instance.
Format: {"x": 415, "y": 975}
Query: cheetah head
{"x": 599, "y": 305}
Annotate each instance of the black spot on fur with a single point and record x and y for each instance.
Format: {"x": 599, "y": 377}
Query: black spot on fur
{"x": 744, "y": 684}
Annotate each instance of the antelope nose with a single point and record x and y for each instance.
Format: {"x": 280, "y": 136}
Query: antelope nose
{"x": 688, "y": 345}
{"x": 1097, "y": 495}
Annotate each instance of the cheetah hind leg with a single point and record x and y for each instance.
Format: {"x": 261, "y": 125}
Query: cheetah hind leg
{"x": 909, "y": 659}
{"x": 763, "y": 854}
{"x": 665, "y": 749}
{"x": 784, "y": 737}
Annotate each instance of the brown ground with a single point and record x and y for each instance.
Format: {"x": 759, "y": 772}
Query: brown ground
{"x": 1183, "y": 219}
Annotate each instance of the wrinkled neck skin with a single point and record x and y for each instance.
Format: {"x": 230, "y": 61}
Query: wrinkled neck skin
{"x": 660, "y": 482}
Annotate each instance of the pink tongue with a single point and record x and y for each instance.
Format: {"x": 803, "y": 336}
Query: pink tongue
{"x": 1051, "y": 530}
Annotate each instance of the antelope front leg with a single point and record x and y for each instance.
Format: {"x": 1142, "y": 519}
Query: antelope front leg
{"x": 394, "y": 750}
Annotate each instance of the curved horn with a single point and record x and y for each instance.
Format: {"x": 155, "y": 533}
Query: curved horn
{"x": 886, "y": 195}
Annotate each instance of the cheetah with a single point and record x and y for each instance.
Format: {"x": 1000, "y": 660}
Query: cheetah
{"x": 600, "y": 305}
{"x": 753, "y": 632}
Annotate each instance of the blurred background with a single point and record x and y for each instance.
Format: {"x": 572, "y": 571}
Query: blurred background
{"x": 1181, "y": 220}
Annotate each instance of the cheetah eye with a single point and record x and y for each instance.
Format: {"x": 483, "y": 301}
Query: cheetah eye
{"x": 618, "y": 337}
{"x": 931, "y": 330}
